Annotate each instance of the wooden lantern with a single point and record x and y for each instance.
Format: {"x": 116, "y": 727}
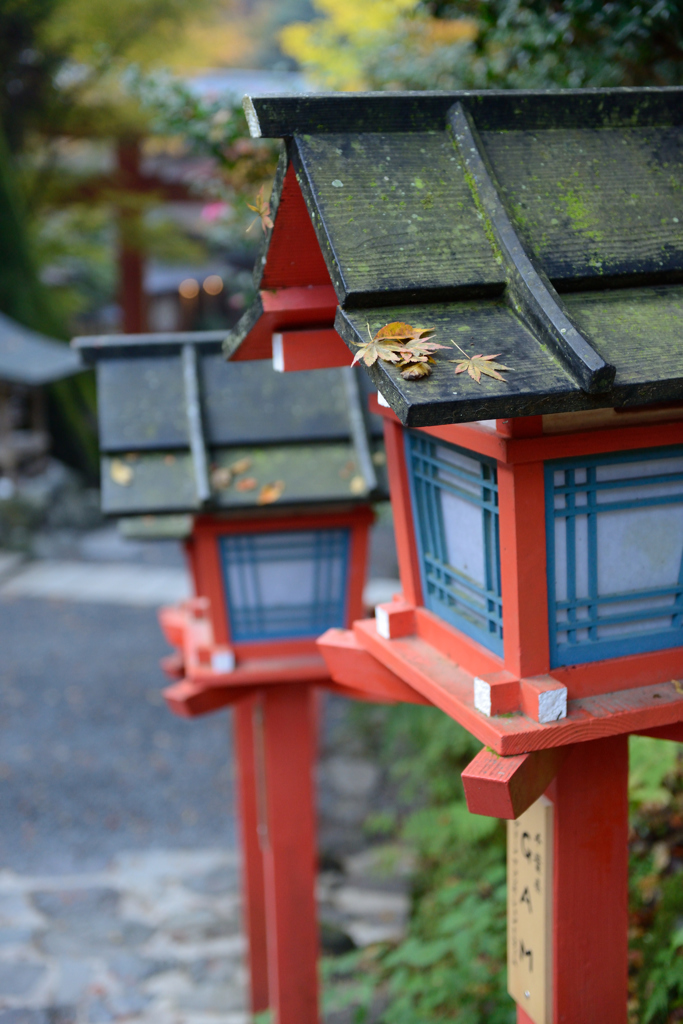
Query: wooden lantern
{"x": 539, "y": 517}
{"x": 269, "y": 477}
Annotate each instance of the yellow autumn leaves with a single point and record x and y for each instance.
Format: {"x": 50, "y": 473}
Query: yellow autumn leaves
{"x": 411, "y": 350}
{"x": 122, "y": 473}
{"x": 336, "y": 47}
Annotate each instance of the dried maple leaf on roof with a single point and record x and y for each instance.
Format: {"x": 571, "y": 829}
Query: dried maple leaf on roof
{"x": 241, "y": 466}
{"x": 120, "y": 473}
{"x": 221, "y": 478}
{"x": 398, "y": 331}
{"x": 270, "y": 492}
{"x": 401, "y": 344}
{"x": 414, "y": 371}
{"x": 476, "y": 365}
{"x": 262, "y": 208}
{"x": 372, "y": 350}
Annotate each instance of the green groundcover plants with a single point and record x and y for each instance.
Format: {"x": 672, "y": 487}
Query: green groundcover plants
{"x": 451, "y": 965}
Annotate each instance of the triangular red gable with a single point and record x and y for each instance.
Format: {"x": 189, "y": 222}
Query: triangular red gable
{"x": 293, "y": 256}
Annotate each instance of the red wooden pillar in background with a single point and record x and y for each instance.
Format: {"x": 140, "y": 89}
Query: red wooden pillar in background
{"x": 290, "y": 852}
{"x": 131, "y": 259}
{"x": 251, "y": 817}
{"x": 590, "y": 885}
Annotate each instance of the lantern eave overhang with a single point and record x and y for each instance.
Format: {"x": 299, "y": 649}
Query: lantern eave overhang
{"x": 176, "y": 420}
{"x": 542, "y": 227}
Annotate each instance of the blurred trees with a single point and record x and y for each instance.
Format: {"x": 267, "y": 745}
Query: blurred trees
{"x": 479, "y": 44}
{"x": 60, "y": 64}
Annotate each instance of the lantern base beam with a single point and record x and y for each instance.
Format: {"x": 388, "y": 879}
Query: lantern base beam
{"x": 504, "y": 787}
{"x": 449, "y": 687}
{"x": 190, "y": 700}
{"x": 353, "y": 668}
{"x": 664, "y": 732}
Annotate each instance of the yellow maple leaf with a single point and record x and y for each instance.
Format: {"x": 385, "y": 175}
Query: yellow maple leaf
{"x": 262, "y": 208}
{"x": 476, "y": 365}
{"x": 399, "y": 343}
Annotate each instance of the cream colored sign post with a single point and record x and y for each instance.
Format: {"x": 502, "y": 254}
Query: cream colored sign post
{"x": 530, "y": 887}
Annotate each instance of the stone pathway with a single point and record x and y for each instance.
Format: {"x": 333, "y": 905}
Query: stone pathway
{"x": 156, "y": 938}
{"x": 112, "y": 583}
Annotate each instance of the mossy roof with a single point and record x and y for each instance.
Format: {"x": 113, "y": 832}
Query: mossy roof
{"x": 183, "y": 430}
{"x": 543, "y": 226}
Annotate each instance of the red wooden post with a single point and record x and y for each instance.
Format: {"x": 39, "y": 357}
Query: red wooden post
{"x": 290, "y": 853}
{"x": 523, "y": 568}
{"x": 404, "y": 527}
{"x": 131, "y": 260}
{"x": 590, "y": 888}
{"x": 252, "y": 854}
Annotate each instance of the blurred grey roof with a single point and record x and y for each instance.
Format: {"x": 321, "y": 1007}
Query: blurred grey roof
{"x": 27, "y": 357}
{"x": 176, "y": 418}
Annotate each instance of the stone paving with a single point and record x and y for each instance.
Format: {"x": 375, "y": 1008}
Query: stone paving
{"x": 156, "y": 938}
{"x": 94, "y": 927}
{"x": 133, "y": 585}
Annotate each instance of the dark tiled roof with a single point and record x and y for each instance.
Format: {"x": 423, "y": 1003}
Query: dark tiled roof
{"x": 547, "y": 227}
{"x": 174, "y": 415}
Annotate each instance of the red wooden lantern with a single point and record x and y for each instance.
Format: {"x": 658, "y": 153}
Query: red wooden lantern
{"x": 271, "y": 476}
{"x": 539, "y": 512}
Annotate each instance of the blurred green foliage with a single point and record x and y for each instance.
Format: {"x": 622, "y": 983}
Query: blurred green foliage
{"x": 451, "y": 965}
{"x": 479, "y": 44}
{"x": 60, "y": 65}
{"x": 216, "y": 128}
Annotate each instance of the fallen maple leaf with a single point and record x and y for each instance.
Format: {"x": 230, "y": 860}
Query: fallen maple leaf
{"x": 414, "y": 371}
{"x": 120, "y": 473}
{"x": 419, "y": 351}
{"x": 377, "y": 348}
{"x": 270, "y": 492}
{"x": 241, "y": 466}
{"x": 262, "y": 208}
{"x": 398, "y": 331}
{"x": 476, "y": 365}
{"x": 221, "y": 478}
{"x": 398, "y": 343}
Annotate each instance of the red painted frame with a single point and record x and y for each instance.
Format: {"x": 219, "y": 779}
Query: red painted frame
{"x": 520, "y": 451}
{"x": 207, "y": 570}
{"x": 275, "y": 740}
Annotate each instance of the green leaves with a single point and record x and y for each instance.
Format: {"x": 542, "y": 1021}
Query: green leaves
{"x": 651, "y": 761}
{"x": 451, "y": 965}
